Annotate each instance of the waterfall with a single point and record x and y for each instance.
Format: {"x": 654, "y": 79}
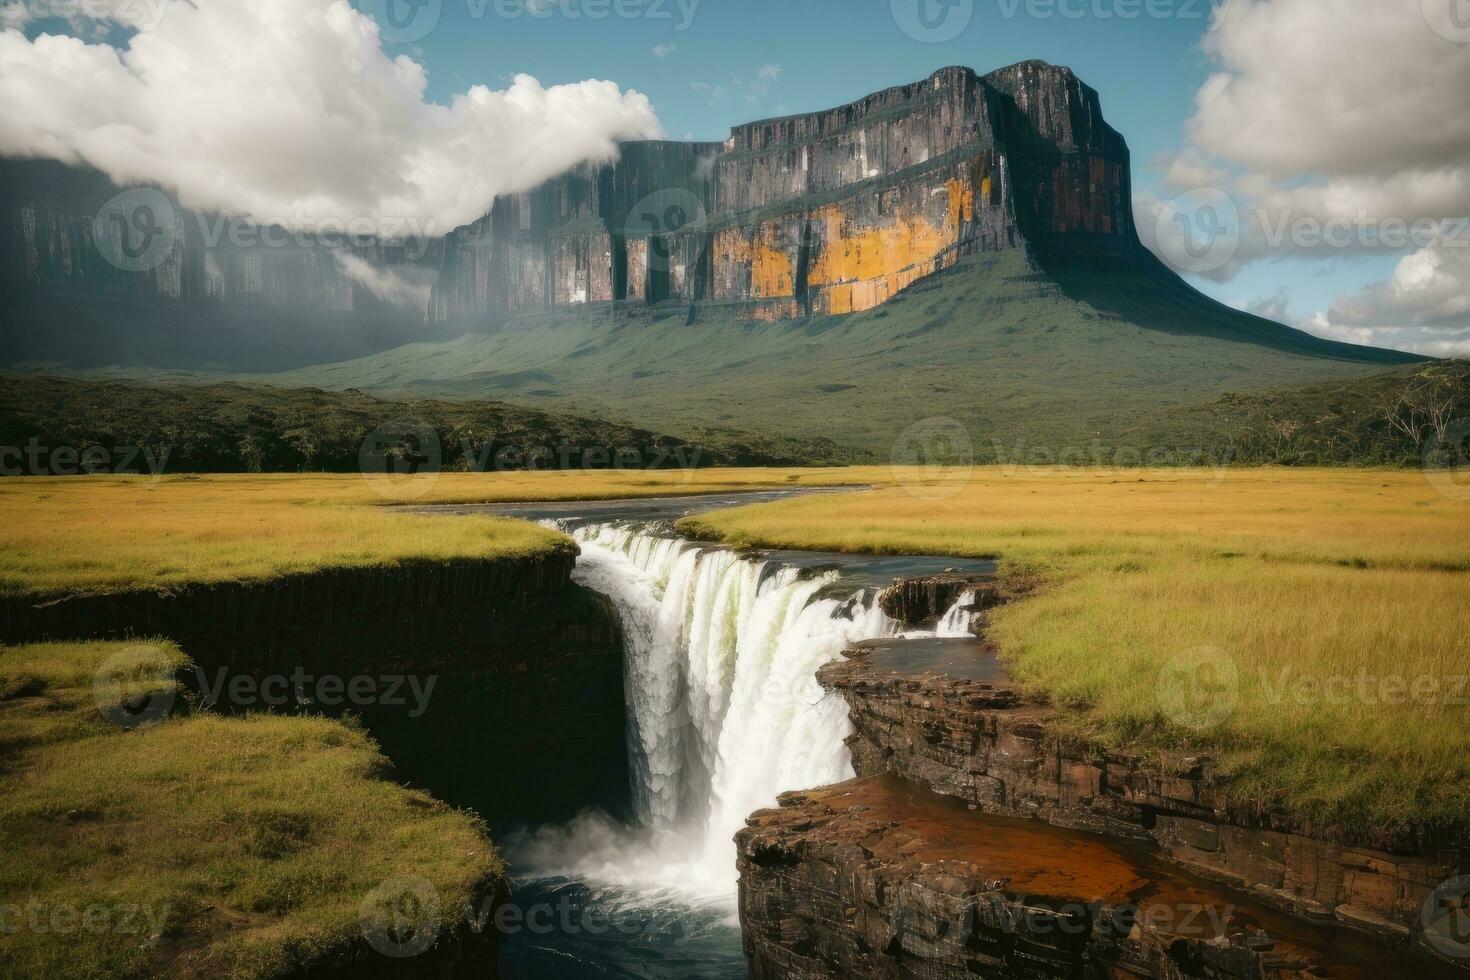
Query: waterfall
{"x": 956, "y": 622}
{"x": 724, "y": 708}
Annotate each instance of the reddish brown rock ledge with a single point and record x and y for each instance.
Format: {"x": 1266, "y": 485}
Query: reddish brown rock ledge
{"x": 877, "y": 878}
{"x": 949, "y": 720}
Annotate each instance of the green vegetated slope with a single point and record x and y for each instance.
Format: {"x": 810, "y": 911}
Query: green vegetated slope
{"x": 256, "y": 428}
{"x": 1021, "y": 358}
{"x": 198, "y": 845}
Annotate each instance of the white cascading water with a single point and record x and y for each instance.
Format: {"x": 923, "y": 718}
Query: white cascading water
{"x": 956, "y": 622}
{"x": 724, "y": 709}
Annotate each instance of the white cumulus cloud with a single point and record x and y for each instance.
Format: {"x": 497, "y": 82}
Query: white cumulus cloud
{"x": 1333, "y": 87}
{"x": 1340, "y": 128}
{"x": 290, "y": 111}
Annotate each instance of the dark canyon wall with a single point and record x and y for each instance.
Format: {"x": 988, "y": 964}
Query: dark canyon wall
{"x": 525, "y": 719}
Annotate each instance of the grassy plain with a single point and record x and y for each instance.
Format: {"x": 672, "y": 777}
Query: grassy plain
{"x": 1311, "y": 586}
{"x": 200, "y": 845}
{"x": 73, "y": 535}
{"x": 1308, "y": 628}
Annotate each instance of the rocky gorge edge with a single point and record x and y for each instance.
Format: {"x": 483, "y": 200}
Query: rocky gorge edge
{"x": 981, "y": 742}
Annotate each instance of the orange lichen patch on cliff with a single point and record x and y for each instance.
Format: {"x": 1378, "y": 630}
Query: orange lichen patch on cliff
{"x": 772, "y": 311}
{"x": 732, "y": 248}
{"x": 854, "y": 266}
{"x": 961, "y": 201}
{"x": 771, "y": 273}
{"x": 863, "y": 268}
{"x": 772, "y": 270}
{"x": 854, "y": 297}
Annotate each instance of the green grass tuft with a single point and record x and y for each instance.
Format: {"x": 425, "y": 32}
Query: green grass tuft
{"x": 201, "y": 845}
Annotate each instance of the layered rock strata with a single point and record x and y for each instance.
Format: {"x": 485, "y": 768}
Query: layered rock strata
{"x": 917, "y": 601}
{"x": 976, "y": 739}
{"x": 827, "y": 212}
{"x": 876, "y": 878}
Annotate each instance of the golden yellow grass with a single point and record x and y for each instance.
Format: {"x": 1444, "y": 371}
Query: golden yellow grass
{"x": 1345, "y": 577}
{"x": 202, "y": 845}
{"x": 100, "y": 534}
{"x": 1310, "y": 629}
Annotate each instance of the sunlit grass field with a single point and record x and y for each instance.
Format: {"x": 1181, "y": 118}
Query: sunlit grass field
{"x": 71, "y": 535}
{"x": 1291, "y": 579}
{"x": 1286, "y": 593}
{"x": 201, "y": 845}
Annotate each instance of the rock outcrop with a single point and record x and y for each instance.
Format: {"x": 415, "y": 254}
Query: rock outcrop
{"x": 916, "y": 601}
{"x": 877, "y": 879}
{"x": 825, "y": 212}
{"x": 828, "y": 212}
{"x": 974, "y": 738}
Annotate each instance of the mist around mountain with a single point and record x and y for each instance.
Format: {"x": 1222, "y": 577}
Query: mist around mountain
{"x": 956, "y": 255}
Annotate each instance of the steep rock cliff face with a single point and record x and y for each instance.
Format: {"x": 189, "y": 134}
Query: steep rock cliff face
{"x": 51, "y": 241}
{"x": 830, "y": 212}
{"x": 822, "y": 213}
{"x": 876, "y": 879}
{"x": 567, "y": 243}
{"x": 167, "y": 285}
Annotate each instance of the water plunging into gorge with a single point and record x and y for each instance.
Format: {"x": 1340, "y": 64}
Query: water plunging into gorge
{"x": 721, "y": 651}
{"x": 724, "y": 708}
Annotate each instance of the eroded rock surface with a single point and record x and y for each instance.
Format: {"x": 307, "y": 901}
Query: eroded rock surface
{"x": 877, "y": 878}
{"x": 825, "y": 212}
{"x": 915, "y": 601}
{"x": 980, "y": 741}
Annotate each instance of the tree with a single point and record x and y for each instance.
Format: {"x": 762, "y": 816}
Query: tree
{"x": 1430, "y": 404}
